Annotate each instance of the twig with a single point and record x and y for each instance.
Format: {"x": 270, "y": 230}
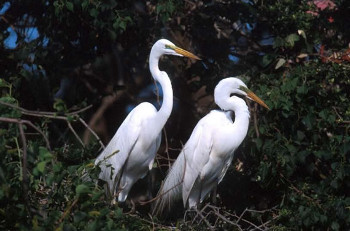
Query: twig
{"x": 80, "y": 110}
{"x": 20, "y": 121}
{"x": 3, "y": 18}
{"x": 153, "y": 223}
{"x": 205, "y": 220}
{"x": 160, "y": 195}
{"x": 24, "y": 164}
{"x": 75, "y": 133}
{"x": 242, "y": 214}
{"x": 225, "y": 216}
{"x": 164, "y": 158}
{"x": 92, "y": 132}
{"x": 301, "y": 192}
{"x": 106, "y": 103}
{"x": 340, "y": 120}
{"x": 336, "y": 112}
{"x": 53, "y": 115}
{"x": 68, "y": 210}
{"x": 166, "y": 147}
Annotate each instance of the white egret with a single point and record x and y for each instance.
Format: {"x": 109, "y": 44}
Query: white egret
{"x": 208, "y": 153}
{"x": 131, "y": 152}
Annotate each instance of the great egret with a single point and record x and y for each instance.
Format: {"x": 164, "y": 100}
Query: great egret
{"x": 130, "y": 154}
{"x": 208, "y": 153}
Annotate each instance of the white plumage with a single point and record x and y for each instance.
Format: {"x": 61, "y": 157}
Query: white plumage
{"x": 208, "y": 153}
{"x": 130, "y": 154}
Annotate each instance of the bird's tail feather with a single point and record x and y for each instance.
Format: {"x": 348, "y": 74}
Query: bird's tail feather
{"x": 171, "y": 189}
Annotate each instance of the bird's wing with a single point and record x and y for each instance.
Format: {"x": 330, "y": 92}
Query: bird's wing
{"x": 197, "y": 152}
{"x": 225, "y": 168}
{"x": 114, "y": 156}
{"x": 156, "y": 146}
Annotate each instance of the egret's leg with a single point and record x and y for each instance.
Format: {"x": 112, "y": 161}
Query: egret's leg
{"x": 213, "y": 195}
{"x": 149, "y": 186}
{"x": 199, "y": 193}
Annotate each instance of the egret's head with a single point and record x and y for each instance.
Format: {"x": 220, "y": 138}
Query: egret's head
{"x": 165, "y": 47}
{"x": 232, "y": 85}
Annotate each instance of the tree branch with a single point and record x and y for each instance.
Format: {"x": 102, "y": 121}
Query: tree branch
{"x": 20, "y": 121}
{"x": 53, "y": 115}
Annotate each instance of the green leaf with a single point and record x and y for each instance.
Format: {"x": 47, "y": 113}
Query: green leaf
{"x": 122, "y": 25}
{"x": 279, "y": 42}
{"x": 79, "y": 216}
{"x": 291, "y": 39}
{"x": 300, "y": 135}
{"x": 84, "y": 4}
{"x": 60, "y": 105}
{"x": 335, "y": 225}
{"x": 41, "y": 166}
{"x": 93, "y": 13}
{"x": 44, "y": 154}
{"x": 280, "y": 63}
{"x": 116, "y": 24}
{"x": 302, "y": 90}
{"x": 267, "y": 59}
{"x": 69, "y": 6}
{"x": 258, "y": 143}
{"x": 3, "y": 83}
{"x": 82, "y": 189}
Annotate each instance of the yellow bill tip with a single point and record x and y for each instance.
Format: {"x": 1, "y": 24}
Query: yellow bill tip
{"x": 186, "y": 53}
{"x": 254, "y": 97}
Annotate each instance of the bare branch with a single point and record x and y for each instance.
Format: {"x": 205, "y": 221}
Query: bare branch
{"x": 80, "y": 110}
{"x": 75, "y": 134}
{"x": 20, "y": 121}
{"x": 68, "y": 210}
{"x": 166, "y": 147}
{"x": 92, "y": 132}
{"x": 216, "y": 214}
{"x": 24, "y": 164}
{"x": 53, "y": 115}
{"x": 106, "y": 103}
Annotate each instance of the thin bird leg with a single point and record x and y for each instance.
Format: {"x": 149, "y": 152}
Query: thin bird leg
{"x": 199, "y": 193}
{"x": 213, "y": 195}
{"x": 150, "y": 185}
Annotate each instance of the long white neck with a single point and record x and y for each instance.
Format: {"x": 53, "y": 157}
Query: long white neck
{"x": 234, "y": 104}
{"x": 241, "y": 123}
{"x": 161, "y": 76}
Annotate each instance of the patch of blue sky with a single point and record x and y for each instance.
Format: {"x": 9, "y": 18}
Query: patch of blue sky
{"x": 45, "y": 41}
{"x": 150, "y": 91}
{"x": 11, "y": 41}
{"x": 5, "y": 7}
{"x": 31, "y": 33}
{"x": 233, "y": 58}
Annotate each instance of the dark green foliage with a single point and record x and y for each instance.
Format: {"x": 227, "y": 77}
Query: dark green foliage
{"x": 304, "y": 143}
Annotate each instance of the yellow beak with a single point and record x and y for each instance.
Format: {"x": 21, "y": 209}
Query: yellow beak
{"x": 254, "y": 97}
{"x": 184, "y": 52}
